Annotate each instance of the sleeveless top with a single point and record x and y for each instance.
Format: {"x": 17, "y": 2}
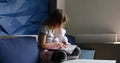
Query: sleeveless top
{"x": 49, "y": 33}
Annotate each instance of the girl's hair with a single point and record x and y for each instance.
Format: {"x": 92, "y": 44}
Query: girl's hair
{"x": 56, "y": 19}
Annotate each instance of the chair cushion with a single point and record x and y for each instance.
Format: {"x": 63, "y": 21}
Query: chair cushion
{"x": 71, "y": 39}
{"x": 18, "y": 50}
{"x": 87, "y": 54}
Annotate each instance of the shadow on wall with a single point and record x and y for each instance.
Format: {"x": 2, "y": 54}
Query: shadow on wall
{"x": 88, "y": 29}
{"x": 97, "y": 38}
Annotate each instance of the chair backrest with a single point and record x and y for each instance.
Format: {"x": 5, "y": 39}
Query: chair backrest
{"x": 71, "y": 39}
{"x": 18, "y": 50}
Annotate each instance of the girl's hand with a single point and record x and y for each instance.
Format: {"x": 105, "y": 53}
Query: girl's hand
{"x": 60, "y": 45}
{"x": 63, "y": 45}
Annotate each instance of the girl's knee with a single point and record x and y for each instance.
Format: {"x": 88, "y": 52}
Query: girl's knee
{"x": 77, "y": 51}
{"x": 62, "y": 54}
{"x": 59, "y": 56}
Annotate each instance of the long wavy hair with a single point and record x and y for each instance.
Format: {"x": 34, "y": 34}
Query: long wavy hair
{"x": 56, "y": 19}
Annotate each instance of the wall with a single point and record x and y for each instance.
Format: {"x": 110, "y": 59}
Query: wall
{"x": 93, "y": 16}
{"x": 104, "y": 51}
{"x": 61, "y": 4}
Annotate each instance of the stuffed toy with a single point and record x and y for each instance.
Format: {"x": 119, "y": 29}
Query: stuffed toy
{"x": 60, "y": 36}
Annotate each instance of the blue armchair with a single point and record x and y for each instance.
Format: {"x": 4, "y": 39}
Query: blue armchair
{"x": 18, "y": 50}
{"x": 23, "y": 49}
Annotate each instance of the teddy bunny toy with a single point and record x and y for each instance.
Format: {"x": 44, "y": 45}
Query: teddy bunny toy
{"x": 60, "y": 36}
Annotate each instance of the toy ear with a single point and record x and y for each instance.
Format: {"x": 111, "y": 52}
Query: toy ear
{"x": 63, "y": 31}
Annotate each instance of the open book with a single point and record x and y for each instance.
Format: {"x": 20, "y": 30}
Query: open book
{"x": 69, "y": 49}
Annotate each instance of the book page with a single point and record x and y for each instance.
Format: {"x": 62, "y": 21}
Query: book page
{"x": 69, "y": 49}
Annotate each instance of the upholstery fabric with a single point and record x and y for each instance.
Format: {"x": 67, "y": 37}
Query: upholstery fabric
{"x": 18, "y": 50}
{"x": 22, "y": 17}
{"x": 3, "y": 1}
{"x": 71, "y": 39}
{"x": 87, "y": 54}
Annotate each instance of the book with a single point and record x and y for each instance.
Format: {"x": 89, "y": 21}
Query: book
{"x": 68, "y": 49}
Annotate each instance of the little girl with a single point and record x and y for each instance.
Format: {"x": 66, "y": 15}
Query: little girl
{"x": 46, "y": 39}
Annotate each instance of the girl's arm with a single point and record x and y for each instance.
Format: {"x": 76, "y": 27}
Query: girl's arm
{"x": 42, "y": 42}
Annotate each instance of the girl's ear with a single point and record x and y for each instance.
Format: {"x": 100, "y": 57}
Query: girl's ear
{"x": 64, "y": 19}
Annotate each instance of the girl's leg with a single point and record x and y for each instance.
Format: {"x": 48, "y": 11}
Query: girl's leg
{"x": 59, "y": 56}
{"x": 75, "y": 54}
